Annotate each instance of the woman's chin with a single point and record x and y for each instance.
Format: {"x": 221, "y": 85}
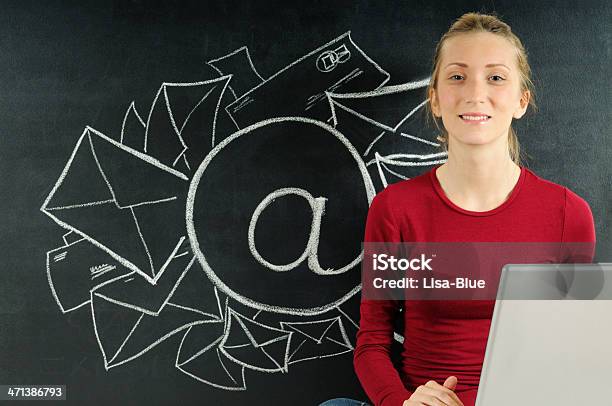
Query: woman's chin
{"x": 473, "y": 140}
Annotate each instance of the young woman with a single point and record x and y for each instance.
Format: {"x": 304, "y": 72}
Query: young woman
{"x": 480, "y": 83}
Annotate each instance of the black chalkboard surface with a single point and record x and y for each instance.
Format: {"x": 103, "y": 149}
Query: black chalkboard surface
{"x": 185, "y": 184}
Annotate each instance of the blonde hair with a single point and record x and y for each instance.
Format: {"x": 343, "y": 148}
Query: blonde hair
{"x": 476, "y": 23}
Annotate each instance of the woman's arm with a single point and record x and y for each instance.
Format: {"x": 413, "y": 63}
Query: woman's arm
{"x": 578, "y": 230}
{"x": 372, "y": 360}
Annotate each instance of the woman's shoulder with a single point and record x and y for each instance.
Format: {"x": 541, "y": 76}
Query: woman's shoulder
{"x": 546, "y": 188}
{"x": 418, "y": 184}
{"x": 405, "y": 197}
{"x": 576, "y": 211}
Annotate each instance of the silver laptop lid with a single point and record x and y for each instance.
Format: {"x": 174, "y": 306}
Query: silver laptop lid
{"x": 550, "y": 341}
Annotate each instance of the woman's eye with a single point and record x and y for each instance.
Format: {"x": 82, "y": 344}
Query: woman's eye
{"x": 497, "y": 78}
{"x": 456, "y": 77}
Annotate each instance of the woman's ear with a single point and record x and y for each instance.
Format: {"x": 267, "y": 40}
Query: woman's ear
{"x": 523, "y": 103}
{"x": 433, "y": 102}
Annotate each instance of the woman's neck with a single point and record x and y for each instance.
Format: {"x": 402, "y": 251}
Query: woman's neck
{"x": 480, "y": 179}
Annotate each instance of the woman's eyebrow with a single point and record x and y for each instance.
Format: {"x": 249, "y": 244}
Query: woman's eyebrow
{"x": 464, "y": 65}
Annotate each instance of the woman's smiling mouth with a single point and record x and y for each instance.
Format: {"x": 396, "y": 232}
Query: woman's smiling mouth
{"x": 474, "y": 117}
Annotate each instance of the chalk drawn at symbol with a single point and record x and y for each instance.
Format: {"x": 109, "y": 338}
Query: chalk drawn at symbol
{"x": 328, "y": 60}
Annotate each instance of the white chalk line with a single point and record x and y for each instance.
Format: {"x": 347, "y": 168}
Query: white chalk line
{"x": 214, "y": 384}
{"x": 65, "y": 238}
{"x": 370, "y": 191}
{"x": 367, "y": 151}
{"x": 142, "y": 309}
{"x": 144, "y": 243}
{"x": 163, "y": 268}
{"x": 60, "y": 257}
{"x": 74, "y": 206}
{"x": 335, "y": 321}
{"x": 179, "y": 366}
{"x": 332, "y": 322}
{"x": 356, "y": 72}
{"x": 100, "y": 268}
{"x": 383, "y": 91}
{"x": 435, "y": 144}
{"x": 376, "y": 65}
{"x": 221, "y": 74}
{"x": 182, "y": 254}
{"x": 178, "y": 132}
{"x": 88, "y": 133}
{"x": 393, "y": 172}
{"x": 147, "y": 158}
{"x": 110, "y": 364}
{"x": 212, "y": 316}
{"x": 381, "y": 161}
{"x": 198, "y": 353}
{"x": 312, "y": 100}
{"x": 103, "y": 271}
{"x": 225, "y": 368}
{"x": 398, "y": 159}
{"x": 347, "y": 35}
{"x": 232, "y": 315}
{"x": 296, "y": 350}
{"x": 248, "y": 55}
{"x": 317, "y": 206}
{"x": 213, "y": 138}
{"x": 126, "y": 339}
{"x": 50, "y": 279}
{"x": 144, "y": 203}
{"x": 132, "y": 107}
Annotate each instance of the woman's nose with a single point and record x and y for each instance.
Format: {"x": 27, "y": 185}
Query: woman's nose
{"x": 475, "y": 91}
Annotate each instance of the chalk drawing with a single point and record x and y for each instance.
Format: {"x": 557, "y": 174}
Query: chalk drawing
{"x": 112, "y": 198}
{"x": 180, "y": 114}
{"x": 363, "y": 106}
{"x": 330, "y": 67}
{"x": 255, "y": 345}
{"x": 113, "y": 195}
{"x": 328, "y": 60}
{"x": 146, "y": 324}
{"x": 207, "y": 363}
{"x": 69, "y": 285}
{"x": 392, "y": 164}
{"x": 310, "y": 337}
{"x": 240, "y": 65}
{"x": 310, "y": 250}
{"x": 133, "y": 128}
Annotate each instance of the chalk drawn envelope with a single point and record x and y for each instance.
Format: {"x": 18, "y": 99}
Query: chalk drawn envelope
{"x": 338, "y": 66}
{"x": 254, "y": 345}
{"x": 199, "y": 357}
{"x": 131, "y": 315}
{"x": 77, "y": 267}
{"x": 317, "y": 339}
{"x": 118, "y": 199}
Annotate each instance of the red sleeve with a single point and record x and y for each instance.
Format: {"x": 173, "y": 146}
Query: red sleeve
{"x": 371, "y": 359}
{"x": 578, "y": 227}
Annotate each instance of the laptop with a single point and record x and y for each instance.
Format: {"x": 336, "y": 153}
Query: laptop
{"x": 550, "y": 341}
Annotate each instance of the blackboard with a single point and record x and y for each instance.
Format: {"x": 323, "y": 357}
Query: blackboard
{"x": 120, "y": 120}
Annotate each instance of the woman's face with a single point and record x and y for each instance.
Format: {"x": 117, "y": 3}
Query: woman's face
{"x": 478, "y": 90}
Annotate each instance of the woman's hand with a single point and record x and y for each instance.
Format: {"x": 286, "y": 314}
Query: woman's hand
{"x": 434, "y": 394}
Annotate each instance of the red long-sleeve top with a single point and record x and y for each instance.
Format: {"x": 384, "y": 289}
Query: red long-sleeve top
{"x": 444, "y": 338}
